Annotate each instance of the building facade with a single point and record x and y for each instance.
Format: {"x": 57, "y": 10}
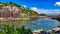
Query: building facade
{"x": 9, "y": 12}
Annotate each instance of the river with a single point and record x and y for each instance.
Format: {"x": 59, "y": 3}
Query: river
{"x": 46, "y": 23}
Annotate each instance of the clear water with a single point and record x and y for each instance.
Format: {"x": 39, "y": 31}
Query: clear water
{"x": 46, "y": 23}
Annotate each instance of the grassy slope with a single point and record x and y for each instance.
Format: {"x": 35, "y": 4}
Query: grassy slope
{"x": 21, "y": 8}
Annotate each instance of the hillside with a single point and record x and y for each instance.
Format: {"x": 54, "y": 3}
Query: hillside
{"x": 21, "y": 8}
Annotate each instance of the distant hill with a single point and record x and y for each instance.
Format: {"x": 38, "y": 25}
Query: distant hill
{"x": 58, "y": 17}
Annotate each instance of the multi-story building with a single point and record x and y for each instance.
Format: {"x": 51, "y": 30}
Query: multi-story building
{"x": 8, "y": 11}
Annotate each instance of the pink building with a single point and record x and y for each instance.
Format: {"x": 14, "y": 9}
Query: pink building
{"x": 7, "y": 13}
{"x": 15, "y": 14}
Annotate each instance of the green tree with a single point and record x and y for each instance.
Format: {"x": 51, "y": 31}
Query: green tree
{"x": 9, "y": 29}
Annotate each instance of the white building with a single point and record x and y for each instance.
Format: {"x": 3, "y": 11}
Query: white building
{"x": 15, "y": 8}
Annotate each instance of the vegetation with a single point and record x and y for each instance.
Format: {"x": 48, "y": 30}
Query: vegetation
{"x": 9, "y": 29}
{"x": 58, "y": 18}
{"x": 21, "y": 8}
{"x": 42, "y": 14}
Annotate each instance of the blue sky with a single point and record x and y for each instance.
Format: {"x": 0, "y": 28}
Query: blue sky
{"x": 37, "y": 5}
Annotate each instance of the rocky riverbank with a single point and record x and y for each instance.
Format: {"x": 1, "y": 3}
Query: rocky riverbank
{"x": 14, "y": 19}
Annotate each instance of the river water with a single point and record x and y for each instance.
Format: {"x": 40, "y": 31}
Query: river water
{"x": 46, "y": 23}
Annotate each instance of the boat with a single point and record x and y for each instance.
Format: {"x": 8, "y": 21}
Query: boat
{"x": 32, "y": 23}
{"x": 56, "y": 29}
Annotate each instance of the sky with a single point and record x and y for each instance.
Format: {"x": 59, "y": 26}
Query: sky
{"x": 40, "y": 6}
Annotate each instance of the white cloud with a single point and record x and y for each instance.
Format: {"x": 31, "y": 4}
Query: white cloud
{"x": 35, "y": 9}
{"x": 57, "y": 4}
{"x": 39, "y": 10}
{"x": 46, "y": 11}
{"x": 24, "y": 5}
